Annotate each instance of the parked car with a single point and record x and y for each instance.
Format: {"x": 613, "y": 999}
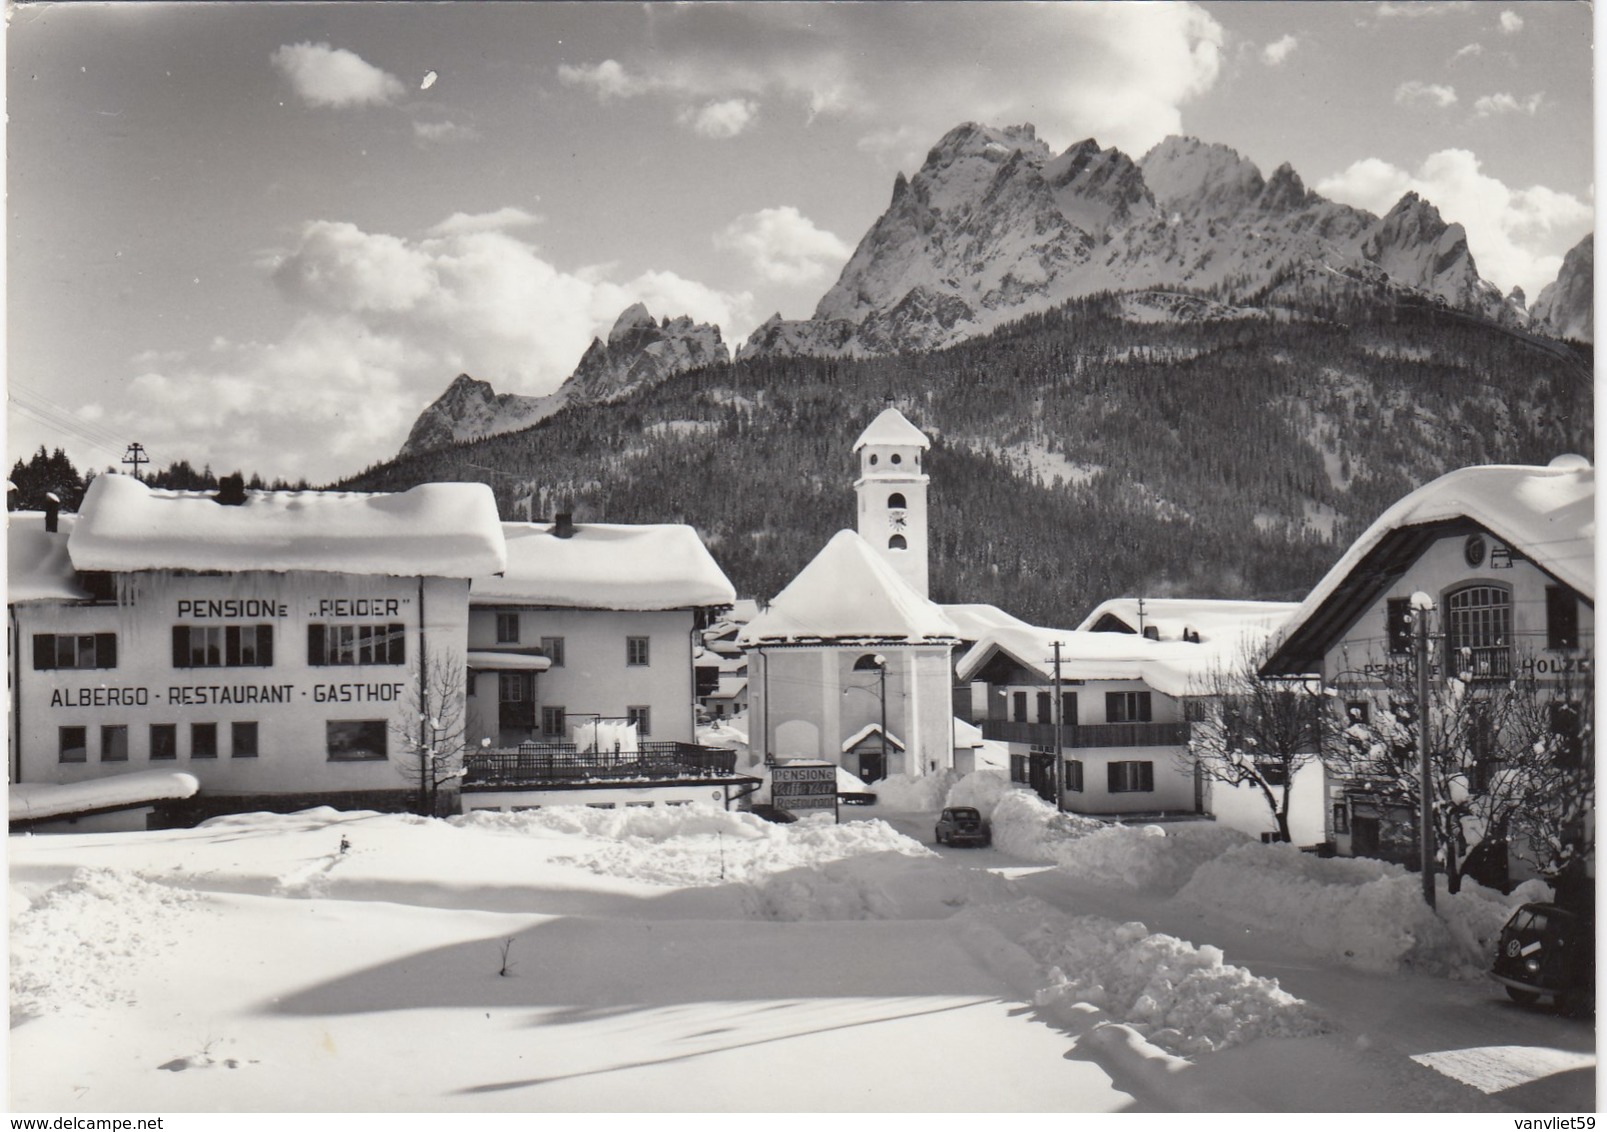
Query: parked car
{"x": 1547, "y": 950}
{"x": 962, "y": 825}
{"x": 773, "y": 813}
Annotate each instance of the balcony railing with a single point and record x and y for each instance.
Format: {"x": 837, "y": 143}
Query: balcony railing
{"x": 548, "y": 762}
{"x": 1088, "y": 734}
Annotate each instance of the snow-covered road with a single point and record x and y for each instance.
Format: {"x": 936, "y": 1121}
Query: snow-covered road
{"x": 1519, "y": 1058}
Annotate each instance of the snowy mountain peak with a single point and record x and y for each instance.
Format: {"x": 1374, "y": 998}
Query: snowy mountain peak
{"x": 1200, "y": 177}
{"x": 1566, "y": 308}
{"x": 631, "y": 318}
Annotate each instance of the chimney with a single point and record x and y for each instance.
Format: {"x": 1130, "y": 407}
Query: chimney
{"x": 231, "y": 491}
{"x": 564, "y": 525}
{"x": 52, "y": 511}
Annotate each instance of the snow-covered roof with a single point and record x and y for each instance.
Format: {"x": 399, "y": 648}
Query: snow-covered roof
{"x": 37, "y": 565}
{"x": 1547, "y": 514}
{"x": 730, "y": 687}
{"x": 892, "y": 428}
{"x": 1174, "y": 668}
{"x": 607, "y": 566}
{"x": 1172, "y": 617}
{"x": 974, "y": 621}
{"x": 446, "y": 530}
{"x": 849, "y": 592}
{"x": 33, "y": 801}
{"x": 866, "y": 732}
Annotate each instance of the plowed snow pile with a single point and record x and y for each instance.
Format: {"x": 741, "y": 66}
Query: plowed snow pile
{"x": 75, "y": 943}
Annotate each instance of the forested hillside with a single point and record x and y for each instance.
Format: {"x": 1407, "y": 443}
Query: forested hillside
{"x": 1078, "y": 455}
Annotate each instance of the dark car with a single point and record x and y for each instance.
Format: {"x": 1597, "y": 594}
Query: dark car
{"x": 1547, "y": 950}
{"x": 962, "y": 825}
{"x": 773, "y": 814}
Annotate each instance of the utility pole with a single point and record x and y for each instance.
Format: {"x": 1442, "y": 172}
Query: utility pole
{"x": 1421, "y": 605}
{"x": 1060, "y": 723}
{"x": 136, "y": 456}
{"x": 881, "y": 675}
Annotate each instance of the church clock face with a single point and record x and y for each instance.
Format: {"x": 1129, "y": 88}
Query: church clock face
{"x": 897, "y": 520}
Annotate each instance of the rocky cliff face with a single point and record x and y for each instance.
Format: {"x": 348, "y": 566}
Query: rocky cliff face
{"x": 639, "y": 352}
{"x": 995, "y": 226}
{"x": 1565, "y": 307}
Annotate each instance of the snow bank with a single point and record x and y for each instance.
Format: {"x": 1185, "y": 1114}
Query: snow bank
{"x": 915, "y": 794}
{"x": 1137, "y": 858}
{"x": 1026, "y": 826}
{"x": 75, "y": 945}
{"x": 699, "y": 845}
{"x": 882, "y": 886}
{"x": 1366, "y": 913}
{"x": 1181, "y": 997}
{"x": 982, "y": 789}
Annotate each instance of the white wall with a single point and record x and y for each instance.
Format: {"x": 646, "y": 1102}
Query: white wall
{"x": 1245, "y": 808}
{"x": 290, "y": 701}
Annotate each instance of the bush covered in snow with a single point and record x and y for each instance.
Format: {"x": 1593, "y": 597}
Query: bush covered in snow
{"x": 1369, "y": 914}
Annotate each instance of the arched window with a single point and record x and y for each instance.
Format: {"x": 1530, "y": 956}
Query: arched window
{"x": 896, "y": 501}
{"x": 867, "y": 663}
{"x": 873, "y": 460}
{"x": 1478, "y": 630}
{"x": 896, "y": 458}
{"x": 897, "y": 542}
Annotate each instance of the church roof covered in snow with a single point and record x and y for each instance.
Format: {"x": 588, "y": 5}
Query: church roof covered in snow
{"x": 448, "y": 530}
{"x": 976, "y": 621}
{"x": 1546, "y": 514}
{"x": 1174, "y": 668}
{"x": 893, "y": 428}
{"x": 606, "y": 566}
{"x": 37, "y": 566}
{"x": 849, "y": 592}
{"x": 1175, "y": 618}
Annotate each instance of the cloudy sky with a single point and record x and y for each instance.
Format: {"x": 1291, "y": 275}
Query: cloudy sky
{"x": 266, "y": 236}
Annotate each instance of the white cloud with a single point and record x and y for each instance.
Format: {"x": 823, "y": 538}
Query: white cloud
{"x": 1274, "y": 53}
{"x": 1416, "y": 93}
{"x": 501, "y": 219}
{"x": 725, "y": 119}
{"x": 444, "y": 132}
{"x": 385, "y": 323}
{"x": 1517, "y": 236}
{"x": 1414, "y": 9}
{"x": 1471, "y": 51}
{"x": 606, "y": 79}
{"x": 1119, "y": 72}
{"x": 1511, "y": 22}
{"x": 783, "y": 246}
{"x": 322, "y": 75}
{"x": 1492, "y": 104}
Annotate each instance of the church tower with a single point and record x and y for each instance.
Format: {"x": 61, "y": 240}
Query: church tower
{"x": 892, "y": 494}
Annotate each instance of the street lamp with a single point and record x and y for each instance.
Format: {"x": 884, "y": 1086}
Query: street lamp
{"x": 1422, "y": 605}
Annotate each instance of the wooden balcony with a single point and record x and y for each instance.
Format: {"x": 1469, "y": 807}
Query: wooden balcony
{"x": 1088, "y": 734}
{"x": 536, "y": 763}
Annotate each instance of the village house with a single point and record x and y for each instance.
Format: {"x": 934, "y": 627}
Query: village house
{"x": 270, "y": 644}
{"x": 582, "y": 657}
{"x": 1505, "y": 556}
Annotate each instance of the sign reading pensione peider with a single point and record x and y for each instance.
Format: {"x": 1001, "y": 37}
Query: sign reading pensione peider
{"x": 805, "y": 789}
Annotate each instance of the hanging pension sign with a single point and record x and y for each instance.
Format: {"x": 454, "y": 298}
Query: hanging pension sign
{"x": 805, "y": 789}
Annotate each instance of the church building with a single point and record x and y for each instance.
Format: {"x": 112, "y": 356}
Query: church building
{"x": 851, "y": 661}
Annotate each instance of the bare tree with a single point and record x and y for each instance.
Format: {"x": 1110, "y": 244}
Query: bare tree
{"x": 1254, "y": 732}
{"x": 431, "y": 731}
{"x": 1493, "y": 753}
{"x": 1552, "y": 827}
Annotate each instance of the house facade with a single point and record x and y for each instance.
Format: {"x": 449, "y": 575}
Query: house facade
{"x": 271, "y": 644}
{"x": 1505, "y": 558}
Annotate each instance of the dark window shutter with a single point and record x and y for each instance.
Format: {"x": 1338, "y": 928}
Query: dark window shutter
{"x": 1144, "y": 715}
{"x": 398, "y": 635}
{"x": 105, "y": 650}
{"x": 1562, "y": 618}
{"x": 1398, "y": 624}
{"x": 1113, "y": 707}
{"x": 44, "y": 651}
{"x": 1113, "y": 777}
{"x": 1146, "y": 776}
{"x": 181, "y": 646}
{"x": 265, "y": 646}
{"x": 231, "y": 646}
{"x": 315, "y": 644}
{"x": 1068, "y": 708}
